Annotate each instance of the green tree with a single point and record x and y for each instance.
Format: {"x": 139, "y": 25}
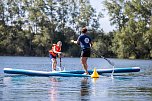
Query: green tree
{"x": 116, "y": 11}
{"x": 131, "y": 41}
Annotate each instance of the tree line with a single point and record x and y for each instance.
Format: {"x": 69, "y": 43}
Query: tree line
{"x": 133, "y": 19}
{"x": 30, "y": 27}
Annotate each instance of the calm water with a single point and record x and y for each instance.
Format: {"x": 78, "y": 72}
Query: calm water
{"x": 124, "y": 87}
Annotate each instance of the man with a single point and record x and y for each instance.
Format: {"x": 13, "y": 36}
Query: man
{"x": 85, "y": 43}
{"x": 56, "y": 49}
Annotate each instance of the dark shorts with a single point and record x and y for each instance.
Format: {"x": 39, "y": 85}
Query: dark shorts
{"x": 51, "y": 56}
{"x": 85, "y": 52}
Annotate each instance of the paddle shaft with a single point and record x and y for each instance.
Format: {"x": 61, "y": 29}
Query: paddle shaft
{"x": 61, "y": 68}
{"x": 104, "y": 58}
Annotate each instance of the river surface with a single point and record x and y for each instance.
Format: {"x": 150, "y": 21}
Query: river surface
{"x": 135, "y": 86}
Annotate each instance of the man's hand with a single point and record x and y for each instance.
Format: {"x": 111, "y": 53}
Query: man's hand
{"x": 72, "y": 41}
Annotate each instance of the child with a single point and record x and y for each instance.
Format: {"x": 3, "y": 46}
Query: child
{"x": 56, "y": 49}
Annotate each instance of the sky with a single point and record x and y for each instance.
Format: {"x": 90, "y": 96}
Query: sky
{"x": 104, "y": 22}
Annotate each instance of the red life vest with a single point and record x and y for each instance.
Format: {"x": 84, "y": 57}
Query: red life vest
{"x": 56, "y": 48}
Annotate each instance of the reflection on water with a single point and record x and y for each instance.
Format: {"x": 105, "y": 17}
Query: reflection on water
{"x": 85, "y": 88}
{"x": 53, "y": 91}
{"x": 59, "y": 89}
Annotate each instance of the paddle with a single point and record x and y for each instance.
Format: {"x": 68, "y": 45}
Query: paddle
{"x": 60, "y": 67}
{"x": 107, "y": 61}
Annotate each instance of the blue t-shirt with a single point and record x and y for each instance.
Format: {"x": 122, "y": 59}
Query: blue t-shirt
{"x": 84, "y": 41}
